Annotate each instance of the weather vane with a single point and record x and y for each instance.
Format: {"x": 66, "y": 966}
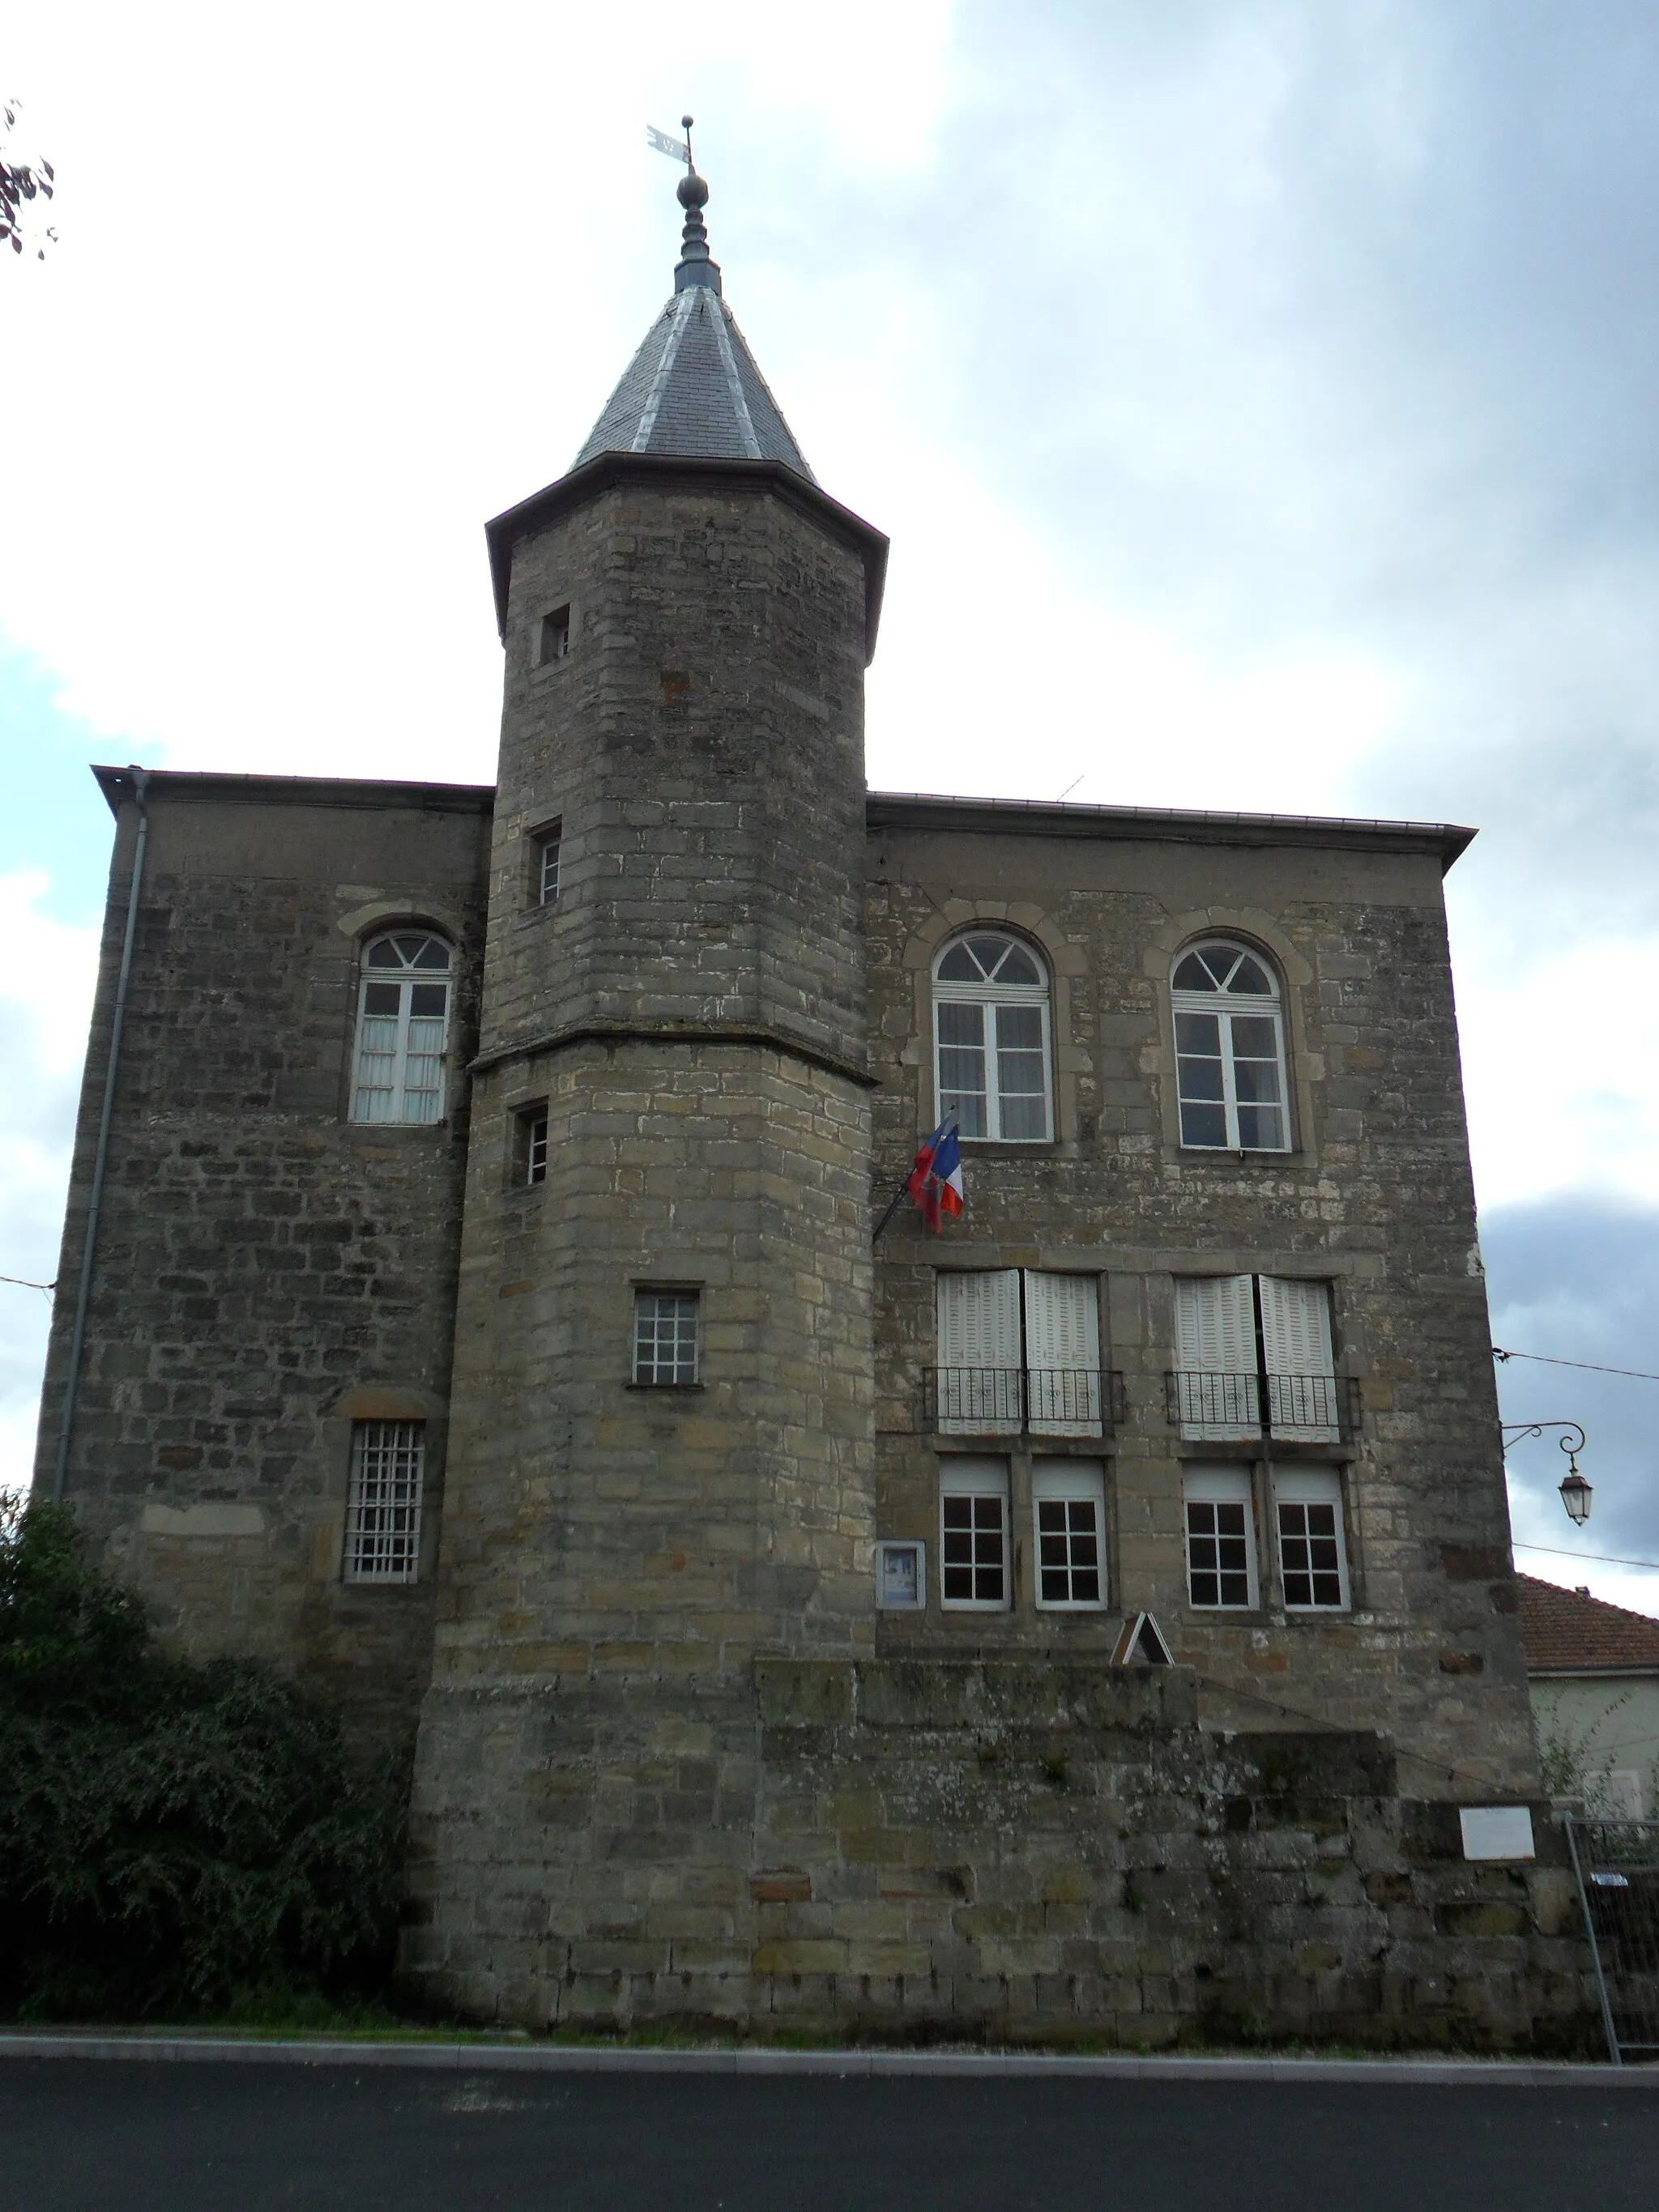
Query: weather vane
{"x": 677, "y": 150}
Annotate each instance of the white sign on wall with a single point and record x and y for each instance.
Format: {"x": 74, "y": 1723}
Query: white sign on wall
{"x": 1497, "y": 1832}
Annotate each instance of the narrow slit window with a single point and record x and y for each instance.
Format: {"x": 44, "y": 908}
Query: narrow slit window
{"x": 383, "y": 1501}
{"x": 553, "y": 636}
{"x": 664, "y": 1337}
{"x": 530, "y": 1146}
{"x": 545, "y": 871}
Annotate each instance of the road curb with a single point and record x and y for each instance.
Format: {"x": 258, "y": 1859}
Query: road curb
{"x": 579, "y": 2058}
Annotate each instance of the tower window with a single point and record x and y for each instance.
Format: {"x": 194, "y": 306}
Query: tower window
{"x": 553, "y": 637}
{"x": 402, "y": 1029}
{"x": 383, "y": 1501}
{"x": 664, "y": 1337}
{"x": 544, "y": 879}
{"x": 529, "y": 1144}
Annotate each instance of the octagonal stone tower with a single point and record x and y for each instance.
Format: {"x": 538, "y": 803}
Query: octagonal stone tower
{"x": 661, "y": 1459}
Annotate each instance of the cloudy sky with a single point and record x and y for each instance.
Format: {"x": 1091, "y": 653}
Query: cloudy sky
{"x": 1260, "y": 395}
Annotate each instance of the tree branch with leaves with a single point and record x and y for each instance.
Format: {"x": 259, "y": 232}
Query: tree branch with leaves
{"x": 21, "y": 184}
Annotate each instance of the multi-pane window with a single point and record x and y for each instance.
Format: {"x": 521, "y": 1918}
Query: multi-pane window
{"x": 1220, "y": 1537}
{"x": 664, "y": 1336}
{"x": 991, "y": 1038}
{"x": 545, "y": 872}
{"x": 1229, "y": 1050}
{"x": 973, "y": 1518}
{"x": 1255, "y": 1348}
{"x": 1068, "y": 1507}
{"x": 1018, "y": 1348}
{"x": 1313, "y": 1565}
{"x": 383, "y": 1501}
{"x": 402, "y": 1029}
{"x": 553, "y": 636}
{"x": 530, "y": 1145}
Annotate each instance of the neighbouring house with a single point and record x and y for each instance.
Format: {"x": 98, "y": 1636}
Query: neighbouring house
{"x": 472, "y": 1300}
{"x": 1593, "y": 1670}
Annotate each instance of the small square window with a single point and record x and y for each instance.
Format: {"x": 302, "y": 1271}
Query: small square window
{"x": 383, "y": 1501}
{"x": 664, "y": 1337}
{"x": 553, "y": 637}
{"x": 973, "y": 1511}
{"x": 529, "y": 1144}
{"x": 902, "y": 1577}
{"x": 544, "y": 876}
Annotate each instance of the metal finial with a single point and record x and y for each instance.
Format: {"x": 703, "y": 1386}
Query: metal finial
{"x": 685, "y": 125}
{"x": 694, "y": 267}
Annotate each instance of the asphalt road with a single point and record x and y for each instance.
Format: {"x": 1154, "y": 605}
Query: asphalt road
{"x": 85, "y": 2136}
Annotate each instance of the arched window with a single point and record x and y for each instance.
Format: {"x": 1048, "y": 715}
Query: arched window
{"x": 402, "y": 1029}
{"x": 1229, "y": 1050}
{"x": 991, "y": 1035}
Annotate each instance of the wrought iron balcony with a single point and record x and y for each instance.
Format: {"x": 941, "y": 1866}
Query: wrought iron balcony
{"x": 1008, "y": 1402}
{"x": 1206, "y": 1404}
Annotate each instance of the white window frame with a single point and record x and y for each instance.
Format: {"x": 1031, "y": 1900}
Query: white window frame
{"x": 685, "y": 1365}
{"x": 1300, "y": 1487}
{"x": 1068, "y": 1481}
{"x": 530, "y": 1146}
{"x": 977, "y": 1479}
{"x": 1226, "y": 1007}
{"x": 385, "y": 1490}
{"x": 1218, "y": 1485}
{"x": 548, "y": 844}
{"x": 392, "y": 1067}
{"x": 991, "y": 996}
{"x": 901, "y": 1575}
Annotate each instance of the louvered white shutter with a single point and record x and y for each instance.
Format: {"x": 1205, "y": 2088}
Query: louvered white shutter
{"x": 1296, "y": 1336}
{"x": 1215, "y": 1353}
{"x": 979, "y": 1376}
{"x": 1062, "y": 1354}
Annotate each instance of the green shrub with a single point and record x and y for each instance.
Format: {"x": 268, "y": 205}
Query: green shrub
{"x": 176, "y": 1839}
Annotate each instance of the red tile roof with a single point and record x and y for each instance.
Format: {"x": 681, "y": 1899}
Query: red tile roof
{"x": 1563, "y": 1628}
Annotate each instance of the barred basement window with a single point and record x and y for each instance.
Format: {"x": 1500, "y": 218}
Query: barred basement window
{"x": 402, "y": 1029}
{"x": 383, "y": 1501}
{"x": 973, "y": 1515}
{"x": 1220, "y": 1538}
{"x": 546, "y": 871}
{"x": 664, "y": 1337}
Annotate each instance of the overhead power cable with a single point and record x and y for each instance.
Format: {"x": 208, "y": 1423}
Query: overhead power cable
{"x": 1589, "y": 1367}
{"x": 23, "y": 1284}
{"x": 1607, "y": 1558}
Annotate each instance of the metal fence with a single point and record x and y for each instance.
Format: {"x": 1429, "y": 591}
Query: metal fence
{"x": 1056, "y": 1402}
{"x": 1306, "y": 1408}
{"x": 1616, "y": 1865}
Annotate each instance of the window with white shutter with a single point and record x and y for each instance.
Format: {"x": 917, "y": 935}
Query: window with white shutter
{"x": 1301, "y": 1367}
{"x": 1068, "y": 1511}
{"x": 1313, "y": 1559}
{"x": 973, "y": 1515}
{"x": 1220, "y": 1516}
{"x": 979, "y": 1378}
{"x": 1062, "y": 1354}
{"x": 1216, "y": 1395}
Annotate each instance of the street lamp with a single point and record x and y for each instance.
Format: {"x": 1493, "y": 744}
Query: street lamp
{"x": 1576, "y": 1493}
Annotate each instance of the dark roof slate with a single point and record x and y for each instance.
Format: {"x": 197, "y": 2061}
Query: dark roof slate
{"x": 1565, "y": 1629}
{"x": 693, "y": 390}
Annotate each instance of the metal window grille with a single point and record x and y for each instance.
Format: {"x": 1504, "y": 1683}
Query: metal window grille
{"x": 535, "y": 1148}
{"x": 665, "y": 1336}
{"x": 975, "y": 1553}
{"x": 383, "y": 1504}
{"x": 547, "y": 874}
{"x": 1068, "y": 1551}
{"x": 1217, "y": 1552}
{"x": 997, "y": 1400}
{"x": 1318, "y": 1406}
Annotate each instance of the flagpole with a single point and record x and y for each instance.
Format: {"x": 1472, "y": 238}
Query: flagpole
{"x": 899, "y": 1195}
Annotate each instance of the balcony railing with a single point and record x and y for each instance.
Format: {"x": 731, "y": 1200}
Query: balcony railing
{"x": 1213, "y": 1406}
{"x": 1039, "y": 1401}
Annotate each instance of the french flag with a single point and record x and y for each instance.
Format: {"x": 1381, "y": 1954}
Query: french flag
{"x": 935, "y": 1181}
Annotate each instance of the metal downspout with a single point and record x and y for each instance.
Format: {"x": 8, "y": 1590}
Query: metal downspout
{"x": 100, "y": 1157}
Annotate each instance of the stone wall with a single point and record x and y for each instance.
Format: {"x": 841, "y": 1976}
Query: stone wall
{"x": 1375, "y": 1198}
{"x": 266, "y": 1270}
{"x": 1016, "y": 1850}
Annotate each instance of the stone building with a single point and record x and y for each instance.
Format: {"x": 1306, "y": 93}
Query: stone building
{"x": 1088, "y": 1619}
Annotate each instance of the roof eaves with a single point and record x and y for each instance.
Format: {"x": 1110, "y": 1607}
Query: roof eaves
{"x": 117, "y": 786}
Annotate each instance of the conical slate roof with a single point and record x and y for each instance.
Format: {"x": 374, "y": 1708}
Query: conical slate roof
{"x": 693, "y": 389}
